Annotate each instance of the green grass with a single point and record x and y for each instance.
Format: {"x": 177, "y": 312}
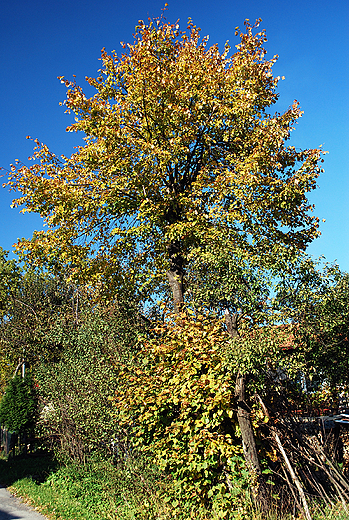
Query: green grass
{"x": 96, "y": 491}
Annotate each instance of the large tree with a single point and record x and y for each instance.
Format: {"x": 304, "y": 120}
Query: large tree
{"x": 181, "y": 150}
{"x": 183, "y": 156}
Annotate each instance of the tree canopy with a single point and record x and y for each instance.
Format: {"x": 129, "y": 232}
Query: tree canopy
{"x": 181, "y": 150}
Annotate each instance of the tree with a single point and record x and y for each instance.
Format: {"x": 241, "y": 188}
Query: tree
{"x": 7, "y": 369}
{"x": 75, "y": 391}
{"x": 181, "y": 151}
{"x": 315, "y": 297}
{"x": 18, "y": 407}
{"x": 10, "y": 275}
{"x": 235, "y": 287}
{"x": 38, "y": 312}
{"x": 183, "y": 155}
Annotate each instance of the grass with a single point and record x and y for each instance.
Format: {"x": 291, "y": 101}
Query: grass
{"x": 101, "y": 491}
{"x": 96, "y": 491}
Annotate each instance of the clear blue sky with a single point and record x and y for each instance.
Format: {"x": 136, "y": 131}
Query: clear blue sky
{"x": 41, "y": 40}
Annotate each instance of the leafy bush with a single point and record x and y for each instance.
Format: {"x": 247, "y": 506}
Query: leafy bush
{"x": 76, "y": 390}
{"x": 76, "y": 409}
{"x": 177, "y": 401}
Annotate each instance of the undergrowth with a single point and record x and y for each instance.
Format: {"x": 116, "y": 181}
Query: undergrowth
{"x": 136, "y": 490}
{"x": 95, "y": 491}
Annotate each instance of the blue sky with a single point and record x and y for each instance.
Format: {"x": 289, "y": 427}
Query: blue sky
{"x": 41, "y": 40}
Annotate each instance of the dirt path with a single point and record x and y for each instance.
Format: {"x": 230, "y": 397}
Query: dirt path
{"x": 11, "y": 508}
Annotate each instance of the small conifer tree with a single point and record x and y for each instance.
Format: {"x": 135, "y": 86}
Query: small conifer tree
{"x": 18, "y": 407}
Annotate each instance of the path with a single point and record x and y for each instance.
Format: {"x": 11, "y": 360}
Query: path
{"x": 11, "y": 508}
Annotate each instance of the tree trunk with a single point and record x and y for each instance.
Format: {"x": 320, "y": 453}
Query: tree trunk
{"x": 248, "y": 440}
{"x": 231, "y": 324}
{"x": 260, "y": 492}
{"x": 259, "y": 488}
{"x": 175, "y": 275}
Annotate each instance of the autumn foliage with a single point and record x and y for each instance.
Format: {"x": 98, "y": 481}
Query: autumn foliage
{"x": 182, "y": 149}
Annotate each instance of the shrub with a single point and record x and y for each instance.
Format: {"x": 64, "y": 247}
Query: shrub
{"x": 177, "y": 401}
{"x": 76, "y": 390}
{"x": 18, "y": 407}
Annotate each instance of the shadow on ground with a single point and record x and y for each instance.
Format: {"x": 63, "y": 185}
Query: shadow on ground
{"x": 8, "y": 516}
{"x": 36, "y": 466}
